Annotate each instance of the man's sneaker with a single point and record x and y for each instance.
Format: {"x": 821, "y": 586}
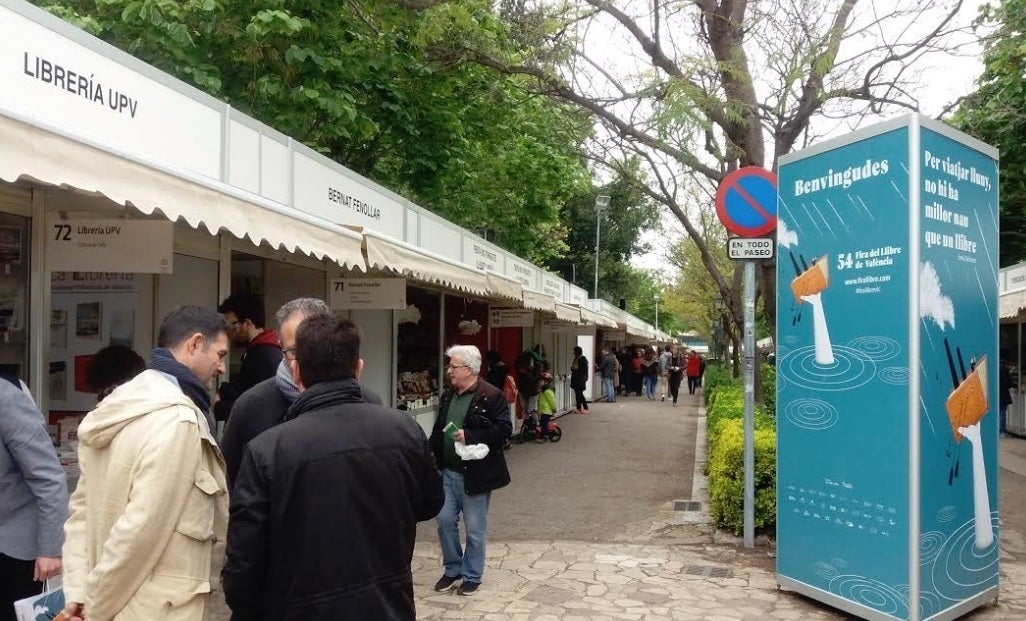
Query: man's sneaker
{"x": 468, "y": 588}
{"x": 445, "y": 583}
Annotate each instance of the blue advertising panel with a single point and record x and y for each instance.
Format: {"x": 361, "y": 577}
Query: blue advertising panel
{"x": 958, "y": 295}
{"x": 843, "y": 324}
{"x": 887, "y": 379}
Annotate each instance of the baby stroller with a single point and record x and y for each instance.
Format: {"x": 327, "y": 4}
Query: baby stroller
{"x": 530, "y": 429}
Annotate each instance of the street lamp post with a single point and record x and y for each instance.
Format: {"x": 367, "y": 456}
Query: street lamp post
{"x": 657, "y": 312}
{"x": 601, "y": 202}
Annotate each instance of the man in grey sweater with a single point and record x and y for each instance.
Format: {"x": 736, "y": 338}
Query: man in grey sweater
{"x": 33, "y": 499}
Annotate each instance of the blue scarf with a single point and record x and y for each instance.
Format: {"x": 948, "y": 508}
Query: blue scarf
{"x": 162, "y": 360}
{"x": 286, "y": 385}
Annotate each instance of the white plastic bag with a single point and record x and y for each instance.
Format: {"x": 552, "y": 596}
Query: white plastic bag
{"x": 471, "y": 452}
{"x": 44, "y": 606}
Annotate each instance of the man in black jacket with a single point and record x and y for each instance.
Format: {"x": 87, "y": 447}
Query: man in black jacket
{"x": 480, "y": 415}
{"x": 245, "y": 315}
{"x": 325, "y": 508}
{"x": 264, "y": 405}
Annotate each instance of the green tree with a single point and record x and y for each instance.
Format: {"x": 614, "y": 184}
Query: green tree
{"x": 698, "y": 89}
{"x": 996, "y": 114}
{"x": 629, "y": 213}
{"x": 352, "y": 80}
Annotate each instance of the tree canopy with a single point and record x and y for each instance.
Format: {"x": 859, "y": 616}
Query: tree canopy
{"x": 352, "y": 81}
{"x": 697, "y": 89}
{"x": 996, "y": 114}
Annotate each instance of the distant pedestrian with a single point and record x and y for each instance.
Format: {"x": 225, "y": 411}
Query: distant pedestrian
{"x": 480, "y": 415}
{"x": 546, "y": 405}
{"x": 325, "y": 508}
{"x": 664, "y": 363}
{"x": 650, "y": 374}
{"x": 497, "y": 369}
{"x": 33, "y": 498}
{"x": 694, "y": 370}
{"x": 675, "y": 373}
{"x": 607, "y": 369}
{"x": 580, "y": 370}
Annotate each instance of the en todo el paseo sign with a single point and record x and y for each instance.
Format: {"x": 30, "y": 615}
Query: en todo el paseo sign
{"x": 137, "y": 246}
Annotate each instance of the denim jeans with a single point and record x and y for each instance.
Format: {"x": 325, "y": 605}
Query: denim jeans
{"x": 650, "y": 385}
{"x": 608, "y": 392}
{"x": 471, "y": 563}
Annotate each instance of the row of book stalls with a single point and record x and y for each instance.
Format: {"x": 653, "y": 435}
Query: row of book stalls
{"x": 127, "y": 193}
{"x": 1012, "y": 341}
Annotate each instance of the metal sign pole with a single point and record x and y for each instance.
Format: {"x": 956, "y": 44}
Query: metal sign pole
{"x": 749, "y": 388}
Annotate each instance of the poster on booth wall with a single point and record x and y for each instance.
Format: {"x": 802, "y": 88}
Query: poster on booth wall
{"x": 843, "y": 371}
{"x": 959, "y": 364}
{"x": 90, "y": 310}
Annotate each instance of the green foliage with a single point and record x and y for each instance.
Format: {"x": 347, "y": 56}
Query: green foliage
{"x": 629, "y": 213}
{"x": 996, "y": 114}
{"x": 358, "y": 82}
{"x": 726, "y": 478}
{"x": 768, "y": 377}
{"x": 725, "y": 467}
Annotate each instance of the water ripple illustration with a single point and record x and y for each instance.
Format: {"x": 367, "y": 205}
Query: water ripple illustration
{"x": 960, "y": 568}
{"x": 872, "y": 593}
{"x": 824, "y": 570}
{"x": 947, "y": 513}
{"x": 877, "y": 348}
{"x": 930, "y": 546}
{"x": 811, "y": 414}
{"x": 897, "y": 376}
{"x": 851, "y": 369}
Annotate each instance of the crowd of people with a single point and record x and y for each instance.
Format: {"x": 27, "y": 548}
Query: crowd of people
{"x": 646, "y": 370}
{"x": 306, "y": 507}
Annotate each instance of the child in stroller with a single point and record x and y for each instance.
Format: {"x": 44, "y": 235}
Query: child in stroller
{"x": 539, "y": 425}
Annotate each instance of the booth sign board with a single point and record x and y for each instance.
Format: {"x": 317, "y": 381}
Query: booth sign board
{"x": 512, "y": 318}
{"x": 887, "y": 372}
{"x": 368, "y": 293}
{"x": 82, "y": 245}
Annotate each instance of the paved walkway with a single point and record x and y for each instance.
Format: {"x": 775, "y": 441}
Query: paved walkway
{"x": 672, "y": 566}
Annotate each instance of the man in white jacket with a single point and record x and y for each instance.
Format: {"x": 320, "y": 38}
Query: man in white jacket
{"x": 149, "y": 516}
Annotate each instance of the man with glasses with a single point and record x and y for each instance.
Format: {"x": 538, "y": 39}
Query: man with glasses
{"x": 245, "y": 315}
{"x": 480, "y": 415}
{"x": 264, "y": 405}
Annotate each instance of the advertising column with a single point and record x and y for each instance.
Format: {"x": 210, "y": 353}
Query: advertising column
{"x": 958, "y": 372}
{"x": 887, "y": 372}
{"x": 843, "y": 373}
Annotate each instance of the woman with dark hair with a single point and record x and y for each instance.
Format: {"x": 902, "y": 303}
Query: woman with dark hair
{"x": 113, "y": 366}
{"x": 579, "y": 372}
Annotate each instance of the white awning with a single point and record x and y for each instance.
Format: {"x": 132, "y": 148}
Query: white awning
{"x": 539, "y": 301}
{"x": 50, "y": 157}
{"x": 397, "y": 256}
{"x": 1011, "y": 304}
{"x": 500, "y": 286}
{"x": 591, "y": 317}
{"x": 565, "y": 312}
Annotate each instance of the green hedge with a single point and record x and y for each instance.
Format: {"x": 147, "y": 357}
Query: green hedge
{"x": 725, "y": 466}
{"x": 727, "y": 483}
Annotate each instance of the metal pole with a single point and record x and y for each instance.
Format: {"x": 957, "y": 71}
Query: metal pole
{"x": 657, "y": 314}
{"x": 749, "y": 388}
{"x": 598, "y": 227}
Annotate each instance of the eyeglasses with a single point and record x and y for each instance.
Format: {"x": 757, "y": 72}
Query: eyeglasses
{"x": 290, "y": 353}
{"x": 457, "y": 366}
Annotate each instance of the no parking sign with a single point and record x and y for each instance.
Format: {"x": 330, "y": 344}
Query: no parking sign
{"x": 746, "y": 201}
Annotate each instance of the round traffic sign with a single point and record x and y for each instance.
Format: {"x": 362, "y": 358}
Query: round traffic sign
{"x": 746, "y": 201}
